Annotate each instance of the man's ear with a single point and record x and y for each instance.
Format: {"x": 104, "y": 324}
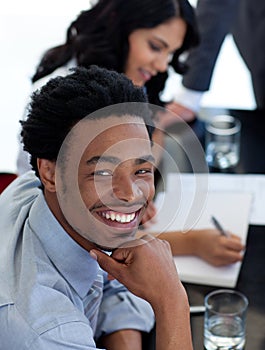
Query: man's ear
{"x": 47, "y": 173}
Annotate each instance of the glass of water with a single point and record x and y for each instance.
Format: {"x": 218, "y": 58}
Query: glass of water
{"x": 222, "y": 141}
{"x": 225, "y": 320}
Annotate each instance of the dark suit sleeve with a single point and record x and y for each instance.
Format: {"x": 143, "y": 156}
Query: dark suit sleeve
{"x": 249, "y": 36}
{"x": 215, "y": 19}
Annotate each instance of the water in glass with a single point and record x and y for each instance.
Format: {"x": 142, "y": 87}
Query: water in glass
{"x": 224, "y": 333}
{"x": 222, "y": 156}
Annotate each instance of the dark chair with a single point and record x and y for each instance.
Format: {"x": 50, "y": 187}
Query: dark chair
{"x": 5, "y": 180}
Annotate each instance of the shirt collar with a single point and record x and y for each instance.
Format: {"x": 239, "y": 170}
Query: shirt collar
{"x": 72, "y": 261}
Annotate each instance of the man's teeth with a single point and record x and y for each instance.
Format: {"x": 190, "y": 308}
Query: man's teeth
{"x": 123, "y": 218}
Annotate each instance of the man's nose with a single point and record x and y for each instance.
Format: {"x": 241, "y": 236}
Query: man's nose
{"x": 126, "y": 189}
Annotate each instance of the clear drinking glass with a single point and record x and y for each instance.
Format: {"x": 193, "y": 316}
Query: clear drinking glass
{"x": 222, "y": 141}
{"x": 225, "y": 320}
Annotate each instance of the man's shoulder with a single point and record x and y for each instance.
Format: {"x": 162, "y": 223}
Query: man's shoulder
{"x": 23, "y": 188}
{"x": 15, "y": 202}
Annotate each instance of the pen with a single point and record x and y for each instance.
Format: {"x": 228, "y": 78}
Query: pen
{"x": 219, "y": 227}
{"x": 199, "y": 309}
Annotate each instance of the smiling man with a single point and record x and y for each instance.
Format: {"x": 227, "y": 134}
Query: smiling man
{"x": 113, "y": 182}
{"x": 89, "y": 137}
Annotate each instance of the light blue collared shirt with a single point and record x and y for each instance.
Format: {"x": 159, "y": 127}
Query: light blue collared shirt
{"x": 45, "y": 277}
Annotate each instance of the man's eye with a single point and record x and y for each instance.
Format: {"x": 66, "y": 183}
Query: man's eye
{"x": 144, "y": 171}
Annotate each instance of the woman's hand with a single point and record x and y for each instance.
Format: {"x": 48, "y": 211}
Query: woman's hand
{"x": 184, "y": 113}
{"x": 217, "y": 249}
{"x": 172, "y": 114}
{"x": 208, "y": 244}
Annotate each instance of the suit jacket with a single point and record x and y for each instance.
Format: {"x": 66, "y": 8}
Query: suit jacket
{"x": 245, "y": 19}
{"x": 249, "y": 36}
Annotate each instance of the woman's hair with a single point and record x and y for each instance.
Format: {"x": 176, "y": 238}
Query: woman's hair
{"x": 64, "y": 101}
{"x": 100, "y": 35}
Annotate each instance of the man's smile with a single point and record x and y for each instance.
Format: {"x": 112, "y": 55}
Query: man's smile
{"x": 119, "y": 219}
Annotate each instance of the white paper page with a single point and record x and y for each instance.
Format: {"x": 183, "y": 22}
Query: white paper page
{"x": 254, "y": 184}
{"x": 174, "y": 215}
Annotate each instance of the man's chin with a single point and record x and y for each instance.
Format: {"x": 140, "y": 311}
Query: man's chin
{"x": 125, "y": 243}
{"x": 104, "y": 248}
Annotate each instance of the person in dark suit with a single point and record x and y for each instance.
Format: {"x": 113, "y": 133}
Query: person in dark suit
{"x": 245, "y": 20}
{"x": 249, "y": 35}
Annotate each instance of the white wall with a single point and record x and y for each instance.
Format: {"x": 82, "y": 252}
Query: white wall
{"x": 28, "y": 27}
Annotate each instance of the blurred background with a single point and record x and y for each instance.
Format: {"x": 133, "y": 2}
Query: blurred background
{"x": 28, "y": 28}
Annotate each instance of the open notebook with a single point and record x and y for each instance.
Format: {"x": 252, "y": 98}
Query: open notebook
{"x": 180, "y": 212}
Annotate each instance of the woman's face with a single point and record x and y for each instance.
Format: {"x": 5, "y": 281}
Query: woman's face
{"x": 151, "y": 49}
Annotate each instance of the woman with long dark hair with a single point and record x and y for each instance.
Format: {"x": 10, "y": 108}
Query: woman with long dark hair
{"x": 110, "y": 33}
{"x": 135, "y": 37}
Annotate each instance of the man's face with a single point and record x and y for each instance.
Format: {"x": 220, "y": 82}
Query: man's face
{"x": 115, "y": 181}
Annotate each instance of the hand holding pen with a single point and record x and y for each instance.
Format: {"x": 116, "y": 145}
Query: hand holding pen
{"x": 226, "y": 248}
{"x": 217, "y": 246}
{"x": 219, "y": 227}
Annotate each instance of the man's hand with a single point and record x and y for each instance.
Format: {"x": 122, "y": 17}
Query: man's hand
{"x": 147, "y": 269}
{"x": 144, "y": 268}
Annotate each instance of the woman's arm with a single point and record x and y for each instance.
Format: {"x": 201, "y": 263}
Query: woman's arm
{"x": 207, "y": 244}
